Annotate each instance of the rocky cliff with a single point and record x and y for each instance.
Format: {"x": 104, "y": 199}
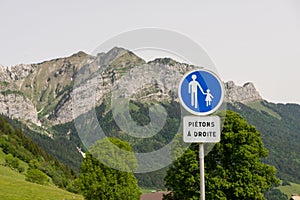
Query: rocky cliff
{"x": 17, "y": 106}
{"x": 43, "y": 92}
{"x": 243, "y": 94}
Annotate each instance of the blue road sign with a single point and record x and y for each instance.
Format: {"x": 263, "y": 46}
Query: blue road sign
{"x": 201, "y": 92}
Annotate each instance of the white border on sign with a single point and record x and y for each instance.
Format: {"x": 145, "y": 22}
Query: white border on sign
{"x": 201, "y": 113}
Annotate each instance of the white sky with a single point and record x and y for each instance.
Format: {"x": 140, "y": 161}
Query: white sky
{"x": 257, "y": 41}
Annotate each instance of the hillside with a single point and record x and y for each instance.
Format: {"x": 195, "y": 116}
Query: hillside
{"x": 42, "y": 95}
{"x": 48, "y": 96}
{"x": 59, "y": 145}
{"x": 279, "y": 125}
{"x": 14, "y": 187}
{"x": 21, "y": 154}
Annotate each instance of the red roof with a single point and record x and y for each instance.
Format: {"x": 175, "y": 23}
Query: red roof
{"x": 153, "y": 196}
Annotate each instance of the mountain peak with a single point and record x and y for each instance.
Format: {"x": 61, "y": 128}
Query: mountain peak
{"x": 244, "y": 94}
{"x": 45, "y": 87}
{"x": 116, "y": 53}
{"x": 117, "y": 50}
{"x": 79, "y": 54}
{"x": 164, "y": 61}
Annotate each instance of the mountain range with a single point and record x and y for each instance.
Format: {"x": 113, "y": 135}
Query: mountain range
{"x": 41, "y": 97}
{"x": 41, "y": 93}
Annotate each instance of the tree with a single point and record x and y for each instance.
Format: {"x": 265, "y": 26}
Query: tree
{"x": 275, "y": 194}
{"x": 36, "y": 176}
{"x": 99, "y": 181}
{"x": 11, "y": 161}
{"x": 233, "y": 169}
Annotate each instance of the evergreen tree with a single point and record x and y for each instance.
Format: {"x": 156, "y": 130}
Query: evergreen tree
{"x": 19, "y": 147}
{"x": 275, "y": 194}
{"x": 233, "y": 169}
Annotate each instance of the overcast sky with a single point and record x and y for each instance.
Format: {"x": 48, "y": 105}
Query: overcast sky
{"x": 256, "y": 41}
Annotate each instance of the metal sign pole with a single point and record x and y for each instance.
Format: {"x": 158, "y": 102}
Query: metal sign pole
{"x": 201, "y": 93}
{"x": 201, "y": 166}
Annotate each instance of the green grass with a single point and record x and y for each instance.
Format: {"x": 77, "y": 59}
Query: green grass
{"x": 7, "y": 92}
{"x": 290, "y": 189}
{"x": 2, "y": 157}
{"x": 259, "y": 107}
{"x": 147, "y": 190}
{"x": 4, "y": 83}
{"x": 14, "y": 187}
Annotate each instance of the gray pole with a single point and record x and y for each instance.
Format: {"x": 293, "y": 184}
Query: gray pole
{"x": 201, "y": 163}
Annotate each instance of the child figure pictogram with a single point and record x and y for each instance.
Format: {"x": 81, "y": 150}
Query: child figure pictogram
{"x": 208, "y": 98}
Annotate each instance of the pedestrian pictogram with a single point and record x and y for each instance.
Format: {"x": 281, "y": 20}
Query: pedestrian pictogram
{"x": 201, "y": 92}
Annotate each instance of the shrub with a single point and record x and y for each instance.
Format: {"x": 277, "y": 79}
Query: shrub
{"x": 11, "y": 161}
{"x": 36, "y": 176}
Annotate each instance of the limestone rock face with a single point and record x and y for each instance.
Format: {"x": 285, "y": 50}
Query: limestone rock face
{"x": 45, "y": 92}
{"x": 140, "y": 81}
{"x": 15, "y": 73}
{"x": 242, "y": 94}
{"x": 19, "y": 107}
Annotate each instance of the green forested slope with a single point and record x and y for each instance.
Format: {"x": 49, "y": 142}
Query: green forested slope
{"x": 60, "y": 147}
{"x": 140, "y": 114}
{"x": 278, "y": 123}
{"x": 281, "y": 136}
{"x": 18, "y": 148}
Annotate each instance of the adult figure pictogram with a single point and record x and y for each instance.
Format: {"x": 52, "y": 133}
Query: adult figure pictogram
{"x": 193, "y": 88}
